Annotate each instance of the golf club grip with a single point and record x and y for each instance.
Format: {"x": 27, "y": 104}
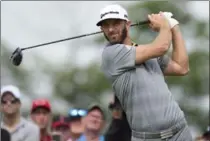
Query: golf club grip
{"x": 141, "y": 23}
{"x": 75, "y": 37}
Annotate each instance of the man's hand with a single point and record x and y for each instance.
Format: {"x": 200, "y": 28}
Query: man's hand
{"x": 172, "y": 21}
{"x": 158, "y": 21}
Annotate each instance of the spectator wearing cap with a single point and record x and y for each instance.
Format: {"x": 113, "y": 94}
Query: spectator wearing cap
{"x": 60, "y": 126}
{"x": 93, "y": 123}
{"x": 19, "y": 128}
{"x": 119, "y": 129}
{"x": 75, "y": 121}
{"x": 41, "y": 116}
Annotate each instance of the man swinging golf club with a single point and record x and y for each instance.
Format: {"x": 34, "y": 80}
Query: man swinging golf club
{"x": 137, "y": 74}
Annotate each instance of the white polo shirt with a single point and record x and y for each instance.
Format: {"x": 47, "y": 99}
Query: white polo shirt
{"x": 24, "y": 131}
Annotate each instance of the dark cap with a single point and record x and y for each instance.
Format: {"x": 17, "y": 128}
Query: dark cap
{"x": 60, "y": 121}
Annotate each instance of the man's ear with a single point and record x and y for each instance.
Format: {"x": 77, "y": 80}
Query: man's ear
{"x": 101, "y": 28}
{"x": 19, "y": 105}
{"x": 128, "y": 24}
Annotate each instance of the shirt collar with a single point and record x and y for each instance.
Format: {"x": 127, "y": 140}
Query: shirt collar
{"x": 17, "y": 127}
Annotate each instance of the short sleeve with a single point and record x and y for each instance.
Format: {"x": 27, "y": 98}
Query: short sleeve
{"x": 118, "y": 58}
{"x": 163, "y": 62}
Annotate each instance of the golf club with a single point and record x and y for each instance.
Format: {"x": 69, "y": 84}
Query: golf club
{"x": 17, "y": 55}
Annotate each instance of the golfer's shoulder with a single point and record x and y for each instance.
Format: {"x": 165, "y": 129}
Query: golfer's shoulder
{"x": 113, "y": 49}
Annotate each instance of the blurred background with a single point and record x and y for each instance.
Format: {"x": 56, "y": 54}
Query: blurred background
{"x": 68, "y": 73}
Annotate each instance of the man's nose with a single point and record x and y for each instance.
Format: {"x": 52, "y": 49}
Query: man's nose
{"x": 110, "y": 29}
{"x": 8, "y": 103}
{"x": 41, "y": 116}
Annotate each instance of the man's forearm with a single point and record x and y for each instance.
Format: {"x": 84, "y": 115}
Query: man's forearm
{"x": 163, "y": 39}
{"x": 179, "y": 53}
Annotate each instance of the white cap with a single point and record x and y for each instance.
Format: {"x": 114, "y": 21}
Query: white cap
{"x": 12, "y": 89}
{"x": 113, "y": 11}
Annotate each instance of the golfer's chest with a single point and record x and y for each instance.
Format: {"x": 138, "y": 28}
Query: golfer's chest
{"x": 150, "y": 66}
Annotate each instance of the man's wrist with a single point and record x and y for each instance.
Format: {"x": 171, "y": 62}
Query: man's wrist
{"x": 175, "y": 29}
{"x": 164, "y": 27}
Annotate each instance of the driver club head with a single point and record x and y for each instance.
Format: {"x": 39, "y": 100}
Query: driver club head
{"x": 17, "y": 57}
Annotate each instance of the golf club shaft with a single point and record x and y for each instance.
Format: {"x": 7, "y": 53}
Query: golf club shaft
{"x": 75, "y": 37}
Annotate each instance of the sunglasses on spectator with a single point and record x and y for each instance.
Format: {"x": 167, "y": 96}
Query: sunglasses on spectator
{"x": 11, "y": 101}
{"x": 77, "y": 112}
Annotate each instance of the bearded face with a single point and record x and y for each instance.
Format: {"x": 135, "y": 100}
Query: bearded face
{"x": 115, "y": 30}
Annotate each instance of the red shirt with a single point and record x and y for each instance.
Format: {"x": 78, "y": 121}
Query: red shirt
{"x": 46, "y": 138}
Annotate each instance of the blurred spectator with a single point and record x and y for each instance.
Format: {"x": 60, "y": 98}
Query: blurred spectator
{"x": 94, "y": 123}
{"x": 41, "y": 115}
{"x": 119, "y": 129}
{"x": 205, "y": 136}
{"x": 60, "y": 126}
{"x": 75, "y": 120}
{"x": 5, "y": 135}
{"x": 19, "y": 128}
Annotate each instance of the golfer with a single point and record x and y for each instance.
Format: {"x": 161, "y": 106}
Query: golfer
{"x": 137, "y": 74}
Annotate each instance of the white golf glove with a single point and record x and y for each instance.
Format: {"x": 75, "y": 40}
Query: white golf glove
{"x": 171, "y": 20}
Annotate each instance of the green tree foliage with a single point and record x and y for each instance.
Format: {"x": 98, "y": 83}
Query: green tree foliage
{"x": 81, "y": 86}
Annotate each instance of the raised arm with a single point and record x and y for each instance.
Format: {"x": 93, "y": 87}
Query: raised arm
{"x": 178, "y": 63}
{"x": 160, "y": 45}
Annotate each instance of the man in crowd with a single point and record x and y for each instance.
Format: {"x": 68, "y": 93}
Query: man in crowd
{"x": 61, "y": 127}
{"x": 41, "y": 115}
{"x": 19, "y": 128}
{"x": 75, "y": 116}
{"x": 119, "y": 129}
{"x": 137, "y": 74}
{"x": 94, "y": 123}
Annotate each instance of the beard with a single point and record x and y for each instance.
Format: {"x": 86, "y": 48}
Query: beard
{"x": 122, "y": 37}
